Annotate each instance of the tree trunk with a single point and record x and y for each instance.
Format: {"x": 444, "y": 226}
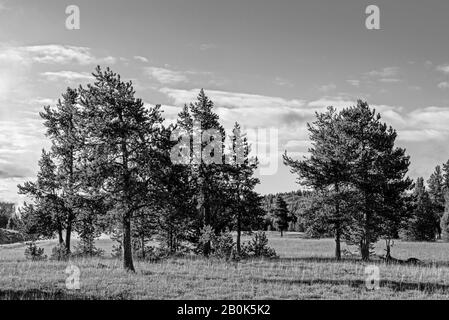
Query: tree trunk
{"x": 207, "y": 245}
{"x": 366, "y": 241}
{"x": 337, "y": 224}
{"x": 60, "y": 237}
{"x": 142, "y": 243}
{"x": 127, "y": 246}
{"x": 364, "y": 248}
{"x": 68, "y": 235}
{"x": 388, "y": 254}
{"x": 239, "y": 232}
{"x": 337, "y": 243}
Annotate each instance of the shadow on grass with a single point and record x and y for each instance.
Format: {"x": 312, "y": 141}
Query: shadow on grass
{"x": 375, "y": 260}
{"x": 318, "y": 259}
{"x": 39, "y": 294}
{"x": 398, "y": 286}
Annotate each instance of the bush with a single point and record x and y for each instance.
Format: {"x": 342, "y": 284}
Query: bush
{"x": 34, "y": 253}
{"x": 154, "y": 254}
{"x": 59, "y": 253}
{"x": 117, "y": 251}
{"x": 258, "y": 247}
{"x": 207, "y": 234}
{"x": 86, "y": 250}
{"x": 223, "y": 246}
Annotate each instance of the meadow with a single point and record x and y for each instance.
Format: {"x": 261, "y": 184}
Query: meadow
{"x": 305, "y": 270}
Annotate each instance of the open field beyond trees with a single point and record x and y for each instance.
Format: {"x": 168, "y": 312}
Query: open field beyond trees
{"x": 306, "y": 269}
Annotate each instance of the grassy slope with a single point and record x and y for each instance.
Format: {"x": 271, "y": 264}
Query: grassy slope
{"x": 304, "y": 271}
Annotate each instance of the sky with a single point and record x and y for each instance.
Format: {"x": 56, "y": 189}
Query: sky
{"x": 270, "y": 65}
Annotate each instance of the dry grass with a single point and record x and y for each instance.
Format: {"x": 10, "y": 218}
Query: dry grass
{"x": 305, "y": 270}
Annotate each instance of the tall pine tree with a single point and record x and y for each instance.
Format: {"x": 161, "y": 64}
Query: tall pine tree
{"x": 122, "y": 153}
{"x": 326, "y": 171}
{"x": 246, "y": 203}
{"x": 205, "y": 157}
{"x": 376, "y": 165}
{"x": 436, "y": 193}
{"x": 281, "y": 214}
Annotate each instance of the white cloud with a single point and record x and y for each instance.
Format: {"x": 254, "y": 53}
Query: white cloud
{"x": 283, "y": 82}
{"x": 207, "y": 46}
{"x": 327, "y": 87}
{"x": 142, "y": 59}
{"x": 336, "y": 102}
{"x": 421, "y": 135}
{"x": 443, "y": 68}
{"x": 41, "y": 101}
{"x": 428, "y": 123}
{"x": 443, "y": 85}
{"x": 354, "y": 82}
{"x": 67, "y": 75}
{"x": 390, "y": 80}
{"x": 232, "y": 100}
{"x": 252, "y": 111}
{"x": 166, "y": 76}
{"x": 52, "y": 54}
{"x": 387, "y": 72}
{"x": 20, "y": 143}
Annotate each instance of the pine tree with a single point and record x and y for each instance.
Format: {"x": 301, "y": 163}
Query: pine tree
{"x": 436, "y": 187}
{"x": 63, "y": 129}
{"x": 245, "y": 201}
{"x": 395, "y": 212}
{"x": 444, "y": 223}
{"x": 204, "y": 154}
{"x": 446, "y": 175}
{"x": 144, "y": 227}
{"x": 121, "y": 156}
{"x": 46, "y": 215}
{"x": 326, "y": 171}
{"x": 421, "y": 224}
{"x": 375, "y": 164}
{"x": 281, "y": 214}
{"x": 178, "y": 216}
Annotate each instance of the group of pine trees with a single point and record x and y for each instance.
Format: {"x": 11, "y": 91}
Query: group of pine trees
{"x": 110, "y": 170}
{"x": 431, "y": 207}
{"x": 357, "y": 176}
{"x": 114, "y": 167}
{"x": 358, "y": 191}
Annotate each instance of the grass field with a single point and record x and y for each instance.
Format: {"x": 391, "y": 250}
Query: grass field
{"x": 305, "y": 270}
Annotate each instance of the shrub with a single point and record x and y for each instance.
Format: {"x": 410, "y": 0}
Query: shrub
{"x": 34, "y": 253}
{"x": 207, "y": 235}
{"x": 86, "y": 250}
{"x": 116, "y": 236}
{"x": 258, "y": 247}
{"x": 117, "y": 251}
{"x": 59, "y": 253}
{"x": 223, "y": 245}
{"x": 154, "y": 254}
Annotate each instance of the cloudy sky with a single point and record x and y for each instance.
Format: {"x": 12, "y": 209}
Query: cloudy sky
{"x": 266, "y": 64}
